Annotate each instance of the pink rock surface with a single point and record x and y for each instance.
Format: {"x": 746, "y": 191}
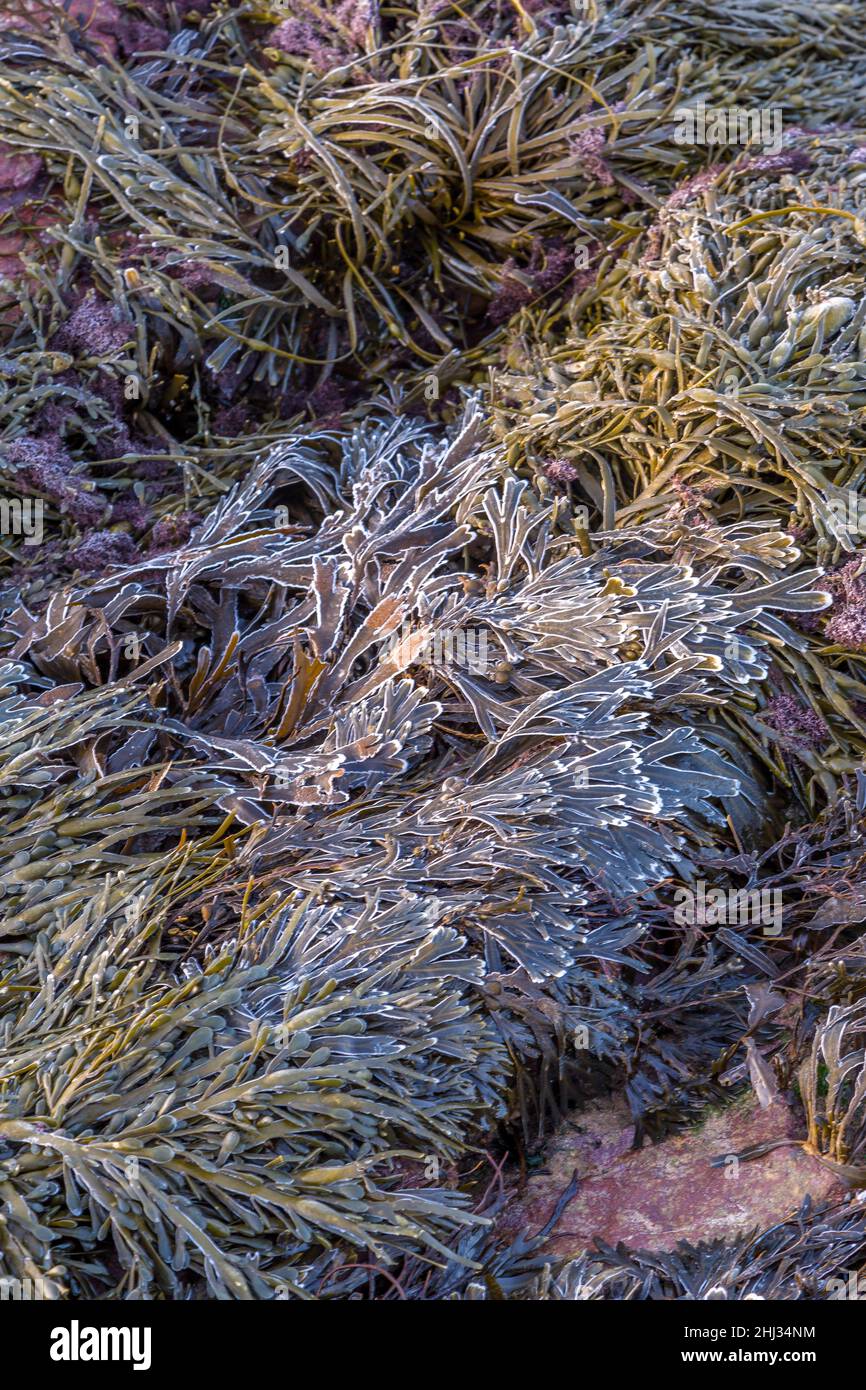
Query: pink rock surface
{"x": 18, "y": 170}
{"x": 108, "y": 28}
{"x": 653, "y": 1197}
{"x": 93, "y": 15}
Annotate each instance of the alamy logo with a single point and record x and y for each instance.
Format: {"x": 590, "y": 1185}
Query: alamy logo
{"x": 465, "y": 647}
{"x": 729, "y": 125}
{"x": 850, "y": 1287}
{"x": 22, "y": 516}
{"x": 23, "y": 1289}
{"x": 848, "y": 513}
{"x": 77, "y": 1343}
{"x": 737, "y": 907}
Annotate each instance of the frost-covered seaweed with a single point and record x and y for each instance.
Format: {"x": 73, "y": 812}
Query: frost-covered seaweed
{"x": 446, "y": 484}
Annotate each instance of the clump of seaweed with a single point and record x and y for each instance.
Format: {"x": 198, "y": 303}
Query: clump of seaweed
{"x": 442, "y": 485}
{"x": 369, "y": 776}
{"x": 795, "y": 1260}
{"x": 725, "y": 358}
{"x": 360, "y": 146}
{"x": 833, "y": 1084}
{"x": 730, "y": 351}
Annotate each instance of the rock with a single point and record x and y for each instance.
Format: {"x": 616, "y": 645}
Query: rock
{"x": 653, "y": 1197}
{"x": 18, "y": 170}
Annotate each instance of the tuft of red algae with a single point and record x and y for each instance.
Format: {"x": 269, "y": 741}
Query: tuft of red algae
{"x": 17, "y": 169}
